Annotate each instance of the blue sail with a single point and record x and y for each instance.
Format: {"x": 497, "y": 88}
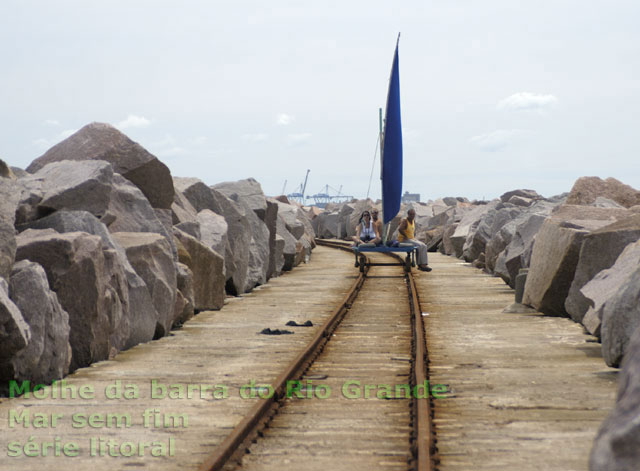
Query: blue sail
{"x": 392, "y": 148}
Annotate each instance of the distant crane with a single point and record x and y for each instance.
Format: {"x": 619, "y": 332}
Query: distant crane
{"x": 299, "y": 196}
{"x": 283, "y": 187}
{"x": 321, "y": 199}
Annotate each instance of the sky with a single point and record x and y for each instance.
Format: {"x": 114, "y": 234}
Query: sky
{"x": 496, "y": 95}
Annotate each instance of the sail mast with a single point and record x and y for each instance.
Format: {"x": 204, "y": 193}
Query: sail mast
{"x": 391, "y": 149}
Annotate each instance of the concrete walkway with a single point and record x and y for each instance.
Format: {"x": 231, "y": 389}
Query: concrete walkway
{"x": 176, "y": 429}
{"x": 528, "y": 392}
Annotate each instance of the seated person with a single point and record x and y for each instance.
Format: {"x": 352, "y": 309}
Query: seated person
{"x": 366, "y": 233}
{"x": 406, "y": 237}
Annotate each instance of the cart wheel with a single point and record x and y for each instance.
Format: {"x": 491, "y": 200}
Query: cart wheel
{"x": 362, "y": 263}
{"x": 407, "y": 263}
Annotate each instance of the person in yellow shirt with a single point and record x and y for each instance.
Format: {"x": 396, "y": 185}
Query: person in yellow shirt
{"x": 406, "y": 237}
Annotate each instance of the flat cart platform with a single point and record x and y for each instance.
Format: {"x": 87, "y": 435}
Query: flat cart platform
{"x": 409, "y": 260}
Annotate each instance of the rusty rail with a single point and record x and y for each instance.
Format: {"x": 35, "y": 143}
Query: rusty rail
{"x": 423, "y": 447}
{"x": 259, "y": 414}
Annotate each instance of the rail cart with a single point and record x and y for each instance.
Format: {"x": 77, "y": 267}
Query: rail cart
{"x": 409, "y": 260}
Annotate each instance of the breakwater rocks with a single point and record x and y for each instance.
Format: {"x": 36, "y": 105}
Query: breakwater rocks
{"x": 101, "y": 248}
{"x": 581, "y": 255}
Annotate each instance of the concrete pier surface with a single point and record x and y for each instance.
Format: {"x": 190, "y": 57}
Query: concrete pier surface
{"x": 145, "y": 422}
{"x": 527, "y": 391}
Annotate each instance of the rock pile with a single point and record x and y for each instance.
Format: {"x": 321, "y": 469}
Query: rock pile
{"x": 102, "y": 249}
{"x": 580, "y": 248}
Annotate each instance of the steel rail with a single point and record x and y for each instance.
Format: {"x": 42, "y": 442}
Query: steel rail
{"x": 259, "y": 414}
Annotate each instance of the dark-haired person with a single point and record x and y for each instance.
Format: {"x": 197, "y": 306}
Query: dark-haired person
{"x": 407, "y": 236}
{"x": 365, "y": 232}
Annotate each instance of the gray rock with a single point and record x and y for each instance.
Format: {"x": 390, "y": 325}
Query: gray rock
{"x": 289, "y": 214}
{"x": 521, "y": 201}
{"x": 279, "y": 255}
{"x": 151, "y": 257}
{"x": 207, "y": 268}
{"x": 249, "y": 191}
{"x": 258, "y": 252}
{"x": 19, "y": 173}
{"x": 586, "y": 189}
{"x": 602, "y": 202}
{"x": 99, "y": 141}
{"x": 290, "y": 247}
{"x": 197, "y": 193}
{"x": 236, "y": 254}
{"x": 48, "y": 354}
{"x": 517, "y": 253}
{"x": 491, "y": 222}
{"x": 617, "y": 443}
{"x": 599, "y": 251}
{"x": 89, "y": 284}
{"x": 528, "y": 194}
{"x": 270, "y": 219}
{"x": 130, "y": 211}
{"x": 186, "y": 293}
{"x": 193, "y": 228}
{"x": 327, "y": 225}
{"x": 73, "y": 185}
{"x": 7, "y": 248}
{"x": 213, "y": 230}
{"x": 556, "y": 251}
{"x": 621, "y": 310}
{"x": 142, "y": 314}
{"x": 5, "y": 171}
{"x": 606, "y": 283}
{"x": 15, "y": 334}
{"x": 182, "y": 210}
{"x": 465, "y": 227}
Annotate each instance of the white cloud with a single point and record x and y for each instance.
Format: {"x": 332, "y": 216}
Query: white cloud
{"x": 284, "y": 119}
{"x": 527, "y": 101}
{"x": 133, "y": 121}
{"x": 296, "y": 139}
{"x": 497, "y": 140}
{"x": 257, "y": 137}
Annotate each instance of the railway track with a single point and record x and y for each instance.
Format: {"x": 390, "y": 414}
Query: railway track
{"x": 357, "y": 397}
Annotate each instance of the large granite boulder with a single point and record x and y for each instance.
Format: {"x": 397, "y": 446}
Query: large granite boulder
{"x": 249, "y": 191}
{"x": 602, "y": 290}
{"x": 270, "y": 219}
{"x": 90, "y": 286}
{"x": 258, "y": 252}
{"x": 526, "y": 194}
{"x": 185, "y": 301}
{"x": 327, "y": 225}
{"x": 73, "y": 185}
{"x": 48, "y": 354}
{"x": 556, "y": 251}
{"x": 99, "y": 141}
{"x": 290, "y": 247}
{"x": 617, "y": 444}
{"x": 213, "y": 230}
{"x": 519, "y": 236}
{"x": 15, "y": 333}
{"x": 466, "y": 226}
{"x": 599, "y": 251}
{"x": 207, "y": 267}
{"x": 182, "y": 210}
{"x": 279, "y": 255}
{"x": 289, "y": 214}
{"x": 196, "y": 192}
{"x": 151, "y": 257}
{"x": 586, "y": 189}
{"x": 9, "y": 198}
{"x": 491, "y": 222}
{"x": 620, "y": 317}
{"x": 236, "y": 255}
{"x": 141, "y": 312}
{"x": 130, "y": 211}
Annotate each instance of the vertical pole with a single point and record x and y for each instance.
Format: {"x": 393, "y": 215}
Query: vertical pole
{"x": 383, "y": 235}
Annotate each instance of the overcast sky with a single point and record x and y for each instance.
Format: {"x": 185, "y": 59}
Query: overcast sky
{"x": 496, "y": 94}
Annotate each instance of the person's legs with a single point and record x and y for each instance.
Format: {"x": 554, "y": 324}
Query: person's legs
{"x": 423, "y": 259}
